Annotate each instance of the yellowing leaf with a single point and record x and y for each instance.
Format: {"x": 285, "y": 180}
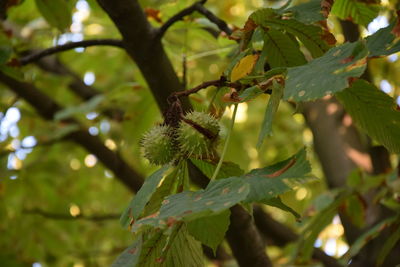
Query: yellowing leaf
{"x": 243, "y": 67}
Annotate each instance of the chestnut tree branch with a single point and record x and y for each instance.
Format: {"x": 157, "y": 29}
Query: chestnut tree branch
{"x": 68, "y": 46}
{"x": 47, "y": 108}
{"x": 199, "y": 7}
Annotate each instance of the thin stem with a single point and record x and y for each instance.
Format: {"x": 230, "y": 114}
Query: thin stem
{"x": 68, "y": 46}
{"x": 221, "y": 159}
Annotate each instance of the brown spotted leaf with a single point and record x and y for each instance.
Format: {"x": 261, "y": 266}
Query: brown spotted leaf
{"x": 218, "y": 196}
{"x": 272, "y": 181}
{"x": 326, "y": 75}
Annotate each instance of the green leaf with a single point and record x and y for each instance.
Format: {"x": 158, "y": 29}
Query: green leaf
{"x": 178, "y": 249}
{"x": 281, "y": 50}
{"x": 327, "y": 74}
{"x": 168, "y": 186}
{"x": 383, "y": 42}
{"x": 355, "y": 210}
{"x": 5, "y": 53}
{"x": 388, "y": 246}
{"x": 252, "y": 92}
{"x": 374, "y": 111}
{"x": 366, "y": 237}
{"x": 56, "y": 12}
{"x": 269, "y": 182}
{"x": 228, "y": 169}
{"x": 218, "y": 196}
{"x": 210, "y": 230}
{"x": 272, "y": 108}
{"x": 307, "y": 13}
{"x": 130, "y": 256}
{"x": 15, "y": 73}
{"x": 277, "y": 203}
{"x": 135, "y": 208}
{"x": 357, "y": 11}
{"x": 317, "y": 223}
{"x": 83, "y": 108}
{"x": 235, "y": 61}
{"x": 309, "y": 35}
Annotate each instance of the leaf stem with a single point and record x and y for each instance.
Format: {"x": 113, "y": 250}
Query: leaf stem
{"x": 221, "y": 159}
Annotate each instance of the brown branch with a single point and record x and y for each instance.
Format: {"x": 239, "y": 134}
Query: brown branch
{"x": 63, "y": 216}
{"x": 157, "y": 70}
{"x": 177, "y": 17}
{"x": 68, "y": 46}
{"x": 245, "y": 240}
{"x": 199, "y": 7}
{"x": 145, "y": 50}
{"x": 217, "y": 21}
{"x": 47, "y": 108}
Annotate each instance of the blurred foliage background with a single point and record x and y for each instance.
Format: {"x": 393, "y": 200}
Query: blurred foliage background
{"x": 58, "y": 205}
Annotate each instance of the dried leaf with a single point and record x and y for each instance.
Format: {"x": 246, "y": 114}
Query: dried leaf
{"x": 244, "y": 67}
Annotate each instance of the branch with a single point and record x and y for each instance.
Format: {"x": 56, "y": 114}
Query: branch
{"x": 245, "y": 240}
{"x": 197, "y": 6}
{"x": 218, "y": 83}
{"x": 47, "y": 108}
{"x": 211, "y": 17}
{"x": 68, "y": 46}
{"x": 61, "y": 216}
{"x": 145, "y": 50}
{"x": 157, "y": 70}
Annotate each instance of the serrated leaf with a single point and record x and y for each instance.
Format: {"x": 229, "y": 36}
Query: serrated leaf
{"x": 327, "y": 74}
{"x": 130, "y": 256}
{"x": 228, "y": 169}
{"x": 383, "y": 42}
{"x": 210, "y": 230}
{"x": 317, "y": 223}
{"x": 366, "y": 237}
{"x": 277, "y": 203}
{"x": 374, "y": 111}
{"x": 309, "y": 35}
{"x": 357, "y": 11}
{"x": 218, "y": 196}
{"x": 5, "y": 53}
{"x": 177, "y": 249}
{"x": 281, "y": 50}
{"x": 56, "y": 12}
{"x": 234, "y": 62}
{"x": 244, "y": 67}
{"x": 308, "y": 12}
{"x": 272, "y": 108}
{"x": 139, "y": 201}
{"x": 271, "y": 181}
{"x": 388, "y": 246}
{"x": 168, "y": 186}
{"x": 252, "y": 92}
{"x": 355, "y": 210}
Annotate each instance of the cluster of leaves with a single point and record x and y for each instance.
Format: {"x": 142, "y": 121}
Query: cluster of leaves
{"x": 302, "y": 65}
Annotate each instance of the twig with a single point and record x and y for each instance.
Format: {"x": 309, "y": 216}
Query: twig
{"x": 199, "y": 7}
{"x": 220, "y": 82}
{"x": 60, "y": 48}
{"x": 217, "y": 21}
{"x": 61, "y": 216}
